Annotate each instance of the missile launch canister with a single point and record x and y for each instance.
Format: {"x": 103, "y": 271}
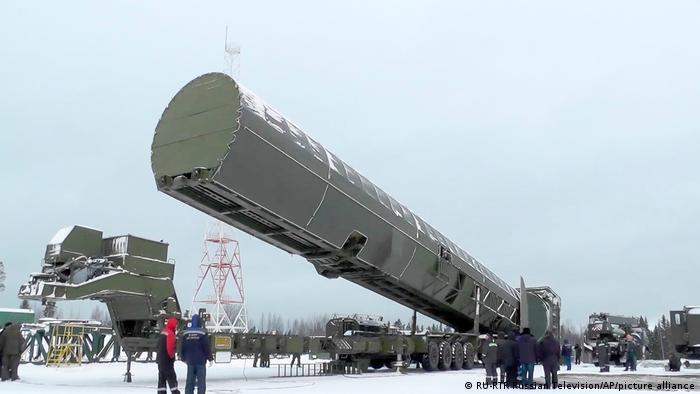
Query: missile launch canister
{"x": 220, "y": 149}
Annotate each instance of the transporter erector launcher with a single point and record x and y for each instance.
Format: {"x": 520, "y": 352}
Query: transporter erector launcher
{"x": 222, "y": 150}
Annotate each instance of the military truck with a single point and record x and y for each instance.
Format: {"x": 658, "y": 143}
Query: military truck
{"x": 220, "y": 149}
{"x": 685, "y": 331}
{"x": 612, "y": 330}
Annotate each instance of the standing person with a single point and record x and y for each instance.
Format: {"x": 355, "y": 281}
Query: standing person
{"x": 264, "y": 359}
{"x": 527, "y": 351}
{"x": 508, "y": 359}
{"x": 674, "y": 363}
{"x": 549, "y": 353}
{"x": 603, "y": 353}
{"x": 296, "y": 356}
{"x": 566, "y": 354}
{"x": 516, "y": 373}
{"x": 195, "y": 353}
{"x": 4, "y": 329}
{"x": 577, "y": 351}
{"x": 256, "y": 357}
{"x": 165, "y": 357}
{"x": 11, "y": 343}
{"x": 631, "y": 355}
{"x": 501, "y": 342}
{"x": 489, "y": 352}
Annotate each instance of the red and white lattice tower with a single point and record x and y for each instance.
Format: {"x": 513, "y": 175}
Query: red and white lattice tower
{"x": 219, "y": 286}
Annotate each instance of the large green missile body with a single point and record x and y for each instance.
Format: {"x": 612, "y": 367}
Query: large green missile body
{"x": 222, "y": 150}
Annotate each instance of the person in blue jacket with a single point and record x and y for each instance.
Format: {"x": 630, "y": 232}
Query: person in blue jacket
{"x": 195, "y": 353}
{"x": 566, "y": 352}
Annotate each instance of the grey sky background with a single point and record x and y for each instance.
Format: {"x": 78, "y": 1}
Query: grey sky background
{"x": 554, "y": 140}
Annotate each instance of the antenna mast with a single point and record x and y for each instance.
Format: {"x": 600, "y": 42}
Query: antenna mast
{"x": 220, "y": 282}
{"x": 232, "y": 57}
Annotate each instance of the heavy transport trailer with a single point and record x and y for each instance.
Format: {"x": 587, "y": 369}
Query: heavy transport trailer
{"x": 220, "y": 149}
{"x": 356, "y": 341}
{"x": 685, "y": 331}
{"x": 133, "y": 277}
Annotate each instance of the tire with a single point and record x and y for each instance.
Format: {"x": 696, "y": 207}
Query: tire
{"x": 432, "y": 357}
{"x": 468, "y": 356}
{"x": 376, "y": 363}
{"x": 457, "y": 356}
{"x": 445, "y": 356}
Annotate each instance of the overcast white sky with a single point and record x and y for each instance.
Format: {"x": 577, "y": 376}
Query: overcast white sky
{"x": 554, "y": 140}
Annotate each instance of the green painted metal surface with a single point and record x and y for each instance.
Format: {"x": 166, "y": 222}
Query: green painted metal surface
{"x": 9, "y": 315}
{"x": 222, "y": 150}
{"x": 131, "y": 275}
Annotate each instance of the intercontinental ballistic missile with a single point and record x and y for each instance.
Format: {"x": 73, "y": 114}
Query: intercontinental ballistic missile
{"x": 222, "y": 150}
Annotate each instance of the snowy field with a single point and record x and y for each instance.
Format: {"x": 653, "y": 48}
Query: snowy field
{"x": 240, "y": 377}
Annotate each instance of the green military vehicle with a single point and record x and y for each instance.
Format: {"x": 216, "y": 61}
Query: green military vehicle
{"x": 685, "y": 331}
{"x": 612, "y": 331}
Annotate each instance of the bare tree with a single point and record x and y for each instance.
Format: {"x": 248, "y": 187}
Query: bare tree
{"x": 99, "y": 314}
{"x": 571, "y": 332}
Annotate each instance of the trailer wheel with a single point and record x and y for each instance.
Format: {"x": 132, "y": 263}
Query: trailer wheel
{"x": 431, "y": 358}
{"x": 376, "y": 363}
{"x": 445, "y": 356}
{"x": 468, "y": 356}
{"x": 457, "y": 356}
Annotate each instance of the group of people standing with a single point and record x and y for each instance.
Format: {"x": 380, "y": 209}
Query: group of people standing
{"x": 11, "y": 342}
{"x": 516, "y": 354}
{"x": 195, "y": 352}
{"x": 264, "y": 358}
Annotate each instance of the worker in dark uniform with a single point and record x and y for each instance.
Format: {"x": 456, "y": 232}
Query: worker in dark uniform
{"x": 165, "y": 357}
{"x": 577, "y": 352}
{"x": 4, "y": 329}
{"x": 632, "y": 347}
{"x": 195, "y": 353}
{"x": 296, "y": 356}
{"x": 256, "y": 357}
{"x": 501, "y": 342}
{"x": 11, "y": 344}
{"x": 515, "y": 372}
{"x": 674, "y": 363}
{"x": 603, "y": 351}
{"x": 509, "y": 360}
{"x": 489, "y": 355}
{"x": 549, "y": 354}
{"x": 527, "y": 352}
{"x": 265, "y": 359}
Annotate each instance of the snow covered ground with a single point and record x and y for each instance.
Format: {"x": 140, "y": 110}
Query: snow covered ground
{"x": 240, "y": 377}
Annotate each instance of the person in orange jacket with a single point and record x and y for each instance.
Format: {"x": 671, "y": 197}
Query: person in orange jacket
{"x": 165, "y": 358}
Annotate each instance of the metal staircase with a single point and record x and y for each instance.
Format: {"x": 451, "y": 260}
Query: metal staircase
{"x": 66, "y": 345}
